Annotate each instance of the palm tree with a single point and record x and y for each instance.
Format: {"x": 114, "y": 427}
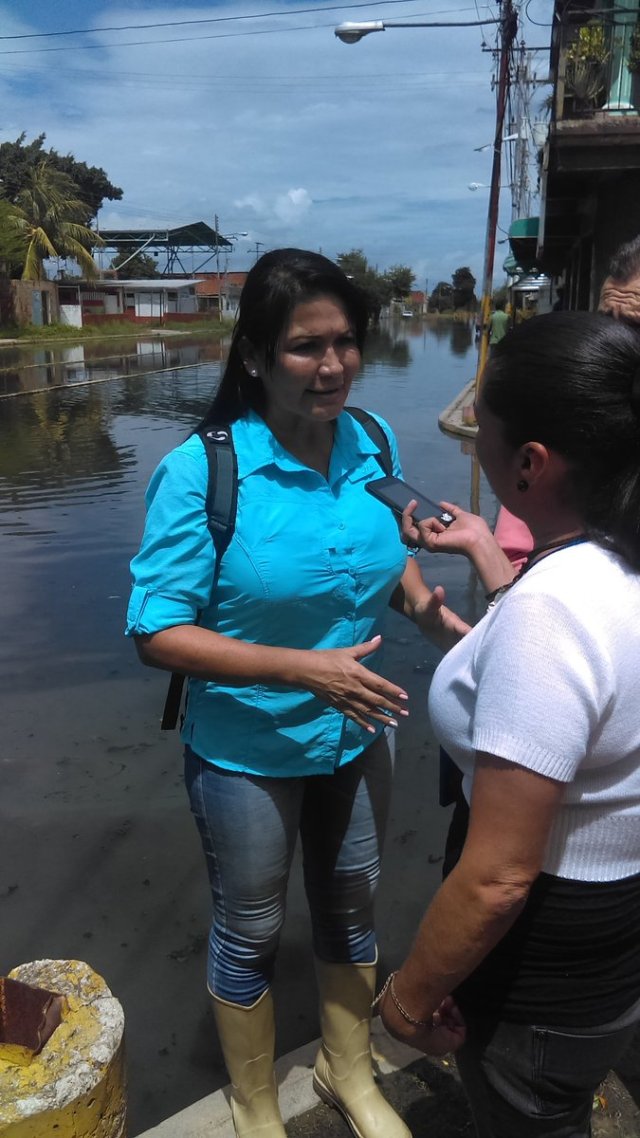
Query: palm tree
{"x": 50, "y": 218}
{"x": 13, "y": 247}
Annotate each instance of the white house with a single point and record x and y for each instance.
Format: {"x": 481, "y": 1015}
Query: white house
{"x": 109, "y": 300}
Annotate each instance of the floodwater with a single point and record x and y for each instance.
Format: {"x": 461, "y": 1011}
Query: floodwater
{"x": 99, "y": 859}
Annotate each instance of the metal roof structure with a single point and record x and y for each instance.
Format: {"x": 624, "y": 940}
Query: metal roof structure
{"x": 157, "y": 284}
{"x": 197, "y": 235}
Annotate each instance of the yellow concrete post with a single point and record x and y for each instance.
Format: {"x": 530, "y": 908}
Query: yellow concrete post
{"x": 75, "y": 1087}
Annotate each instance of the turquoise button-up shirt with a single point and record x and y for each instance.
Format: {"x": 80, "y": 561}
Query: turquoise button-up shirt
{"x": 312, "y": 563}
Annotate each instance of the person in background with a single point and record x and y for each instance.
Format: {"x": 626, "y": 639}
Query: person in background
{"x": 620, "y": 292}
{"x": 287, "y": 720}
{"x": 535, "y": 933}
{"x": 498, "y": 324}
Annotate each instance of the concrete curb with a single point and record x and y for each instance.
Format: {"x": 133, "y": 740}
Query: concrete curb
{"x": 211, "y": 1118}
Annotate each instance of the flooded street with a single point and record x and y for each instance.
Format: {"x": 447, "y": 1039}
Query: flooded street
{"x": 99, "y": 858}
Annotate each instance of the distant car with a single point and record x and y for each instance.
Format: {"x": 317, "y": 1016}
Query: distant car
{"x": 406, "y": 313}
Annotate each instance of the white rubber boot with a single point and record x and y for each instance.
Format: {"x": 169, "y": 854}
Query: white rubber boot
{"x": 247, "y": 1036}
{"x": 343, "y": 1075}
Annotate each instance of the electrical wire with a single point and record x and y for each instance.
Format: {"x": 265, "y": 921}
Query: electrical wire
{"x": 401, "y": 83}
{"x": 225, "y": 19}
{"x": 179, "y": 39}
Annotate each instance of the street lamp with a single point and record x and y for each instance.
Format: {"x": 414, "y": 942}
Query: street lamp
{"x": 353, "y": 31}
{"x": 486, "y": 186}
{"x": 508, "y": 22}
{"x": 488, "y": 145}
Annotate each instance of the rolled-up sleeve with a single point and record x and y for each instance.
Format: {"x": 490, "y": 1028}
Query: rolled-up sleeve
{"x": 174, "y": 570}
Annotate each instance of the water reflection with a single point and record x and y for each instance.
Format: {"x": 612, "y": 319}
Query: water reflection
{"x": 49, "y": 440}
{"x": 462, "y": 336}
{"x": 387, "y": 346}
{"x": 26, "y": 368}
{"x": 81, "y": 440}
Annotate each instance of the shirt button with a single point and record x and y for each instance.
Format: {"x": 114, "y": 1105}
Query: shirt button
{"x": 341, "y": 526}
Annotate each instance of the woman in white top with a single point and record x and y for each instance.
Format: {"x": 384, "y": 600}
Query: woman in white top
{"x": 528, "y": 958}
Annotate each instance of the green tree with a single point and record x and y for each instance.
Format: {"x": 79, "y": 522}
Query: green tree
{"x": 19, "y": 157}
{"x": 400, "y": 279}
{"x": 139, "y": 267}
{"x": 51, "y": 221}
{"x": 13, "y": 245}
{"x": 464, "y": 284}
{"x": 374, "y": 285}
{"x": 355, "y": 265}
{"x": 441, "y": 299}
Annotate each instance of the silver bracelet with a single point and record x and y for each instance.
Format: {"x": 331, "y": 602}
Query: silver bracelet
{"x": 388, "y": 987}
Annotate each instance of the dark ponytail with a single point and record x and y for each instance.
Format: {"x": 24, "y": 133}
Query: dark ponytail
{"x": 278, "y": 282}
{"x": 571, "y": 380}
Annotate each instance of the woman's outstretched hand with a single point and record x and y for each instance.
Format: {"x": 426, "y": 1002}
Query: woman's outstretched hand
{"x": 336, "y": 676}
{"x": 439, "y": 623}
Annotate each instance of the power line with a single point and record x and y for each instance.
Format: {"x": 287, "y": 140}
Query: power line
{"x": 395, "y": 82}
{"x": 183, "y": 39}
{"x": 217, "y": 20}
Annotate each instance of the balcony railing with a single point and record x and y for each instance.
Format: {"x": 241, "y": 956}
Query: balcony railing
{"x": 599, "y": 64}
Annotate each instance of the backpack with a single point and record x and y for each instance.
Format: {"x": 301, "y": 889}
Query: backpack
{"x": 222, "y": 504}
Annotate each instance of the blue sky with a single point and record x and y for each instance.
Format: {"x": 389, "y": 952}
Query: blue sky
{"x": 261, "y": 116}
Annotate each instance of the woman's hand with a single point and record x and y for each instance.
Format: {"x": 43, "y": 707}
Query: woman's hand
{"x": 336, "y": 676}
{"x": 462, "y": 535}
{"x": 447, "y": 1034}
{"x": 468, "y": 534}
{"x": 437, "y": 622}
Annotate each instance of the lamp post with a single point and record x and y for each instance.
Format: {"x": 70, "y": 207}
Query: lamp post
{"x": 508, "y": 25}
{"x": 353, "y": 31}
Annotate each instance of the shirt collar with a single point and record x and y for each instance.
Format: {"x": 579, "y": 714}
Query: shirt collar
{"x": 257, "y": 447}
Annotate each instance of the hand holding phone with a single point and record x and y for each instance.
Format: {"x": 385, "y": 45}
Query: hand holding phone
{"x": 397, "y": 494}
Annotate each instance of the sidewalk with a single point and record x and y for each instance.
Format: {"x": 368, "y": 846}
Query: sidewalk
{"x": 425, "y": 1092}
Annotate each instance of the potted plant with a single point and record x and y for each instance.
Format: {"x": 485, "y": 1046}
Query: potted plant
{"x": 586, "y": 57}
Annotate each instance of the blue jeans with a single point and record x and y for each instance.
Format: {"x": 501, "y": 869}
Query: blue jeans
{"x": 525, "y": 1081}
{"x": 249, "y": 825}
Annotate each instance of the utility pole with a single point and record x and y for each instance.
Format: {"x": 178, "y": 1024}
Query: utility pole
{"x": 217, "y": 255}
{"x": 259, "y": 246}
{"x": 521, "y": 195}
{"x": 508, "y": 29}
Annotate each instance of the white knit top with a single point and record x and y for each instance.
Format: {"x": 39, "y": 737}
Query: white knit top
{"x": 550, "y": 679}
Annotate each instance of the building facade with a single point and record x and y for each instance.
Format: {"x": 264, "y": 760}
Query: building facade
{"x": 590, "y": 181}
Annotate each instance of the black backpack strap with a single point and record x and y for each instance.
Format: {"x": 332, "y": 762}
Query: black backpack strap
{"x": 222, "y": 487}
{"x": 377, "y": 434}
{"x": 221, "y": 507}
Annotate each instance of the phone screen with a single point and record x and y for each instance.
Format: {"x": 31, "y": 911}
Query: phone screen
{"x": 397, "y": 494}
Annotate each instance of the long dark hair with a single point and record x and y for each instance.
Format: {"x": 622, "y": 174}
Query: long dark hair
{"x": 571, "y": 380}
{"x": 278, "y": 282}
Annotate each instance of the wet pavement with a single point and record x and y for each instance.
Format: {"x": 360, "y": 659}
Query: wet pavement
{"x": 425, "y": 1092}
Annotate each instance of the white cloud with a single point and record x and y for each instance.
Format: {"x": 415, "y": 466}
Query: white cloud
{"x": 292, "y": 206}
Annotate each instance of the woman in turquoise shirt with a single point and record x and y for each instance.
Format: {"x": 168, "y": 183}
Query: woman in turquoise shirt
{"x": 281, "y": 643}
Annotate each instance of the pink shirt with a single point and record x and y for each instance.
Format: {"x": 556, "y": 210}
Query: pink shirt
{"x": 513, "y": 537}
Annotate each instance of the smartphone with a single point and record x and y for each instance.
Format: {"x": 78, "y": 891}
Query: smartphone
{"x": 397, "y": 494}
